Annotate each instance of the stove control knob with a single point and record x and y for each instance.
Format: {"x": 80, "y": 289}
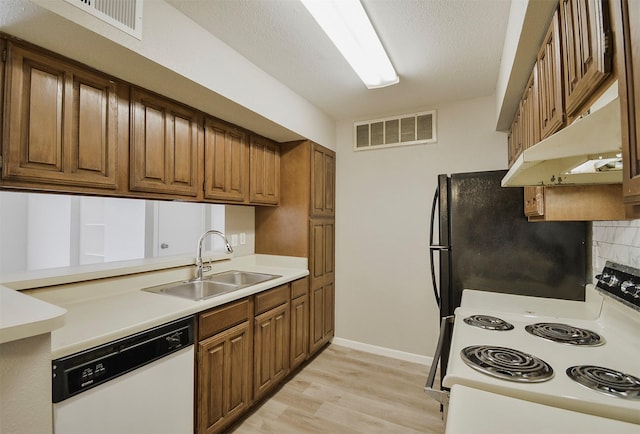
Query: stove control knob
{"x": 613, "y": 281}
{"x": 630, "y": 288}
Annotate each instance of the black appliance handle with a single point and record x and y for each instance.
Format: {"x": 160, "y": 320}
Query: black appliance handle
{"x": 441, "y": 395}
{"x": 433, "y": 248}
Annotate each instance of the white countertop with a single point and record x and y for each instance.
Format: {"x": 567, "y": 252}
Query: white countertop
{"x": 103, "y": 310}
{"x": 480, "y": 412}
{"x": 532, "y": 306}
{"x": 22, "y": 316}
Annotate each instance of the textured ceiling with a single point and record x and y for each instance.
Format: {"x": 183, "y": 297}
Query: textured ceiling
{"x": 443, "y": 50}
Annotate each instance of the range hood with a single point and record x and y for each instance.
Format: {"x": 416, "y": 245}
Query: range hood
{"x": 586, "y": 152}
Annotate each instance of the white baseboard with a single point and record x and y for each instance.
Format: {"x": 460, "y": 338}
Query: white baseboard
{"x": 381, "y": 351}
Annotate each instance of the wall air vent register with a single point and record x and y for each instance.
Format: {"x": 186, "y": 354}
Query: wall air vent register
{"x": 125, "y": 15}
{"x": 403, "y": 130}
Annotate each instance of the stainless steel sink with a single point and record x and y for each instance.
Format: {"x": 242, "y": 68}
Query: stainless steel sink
{"x": 240, "y": 278}
{"x": 211, "y": 286}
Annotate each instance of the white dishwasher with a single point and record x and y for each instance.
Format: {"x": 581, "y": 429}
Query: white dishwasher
{"x": 140, "y": 384}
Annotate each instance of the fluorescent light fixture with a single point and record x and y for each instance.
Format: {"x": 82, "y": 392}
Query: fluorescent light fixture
{"x": 347, "y": 25}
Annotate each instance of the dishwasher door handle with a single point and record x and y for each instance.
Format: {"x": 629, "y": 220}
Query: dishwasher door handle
{"x": 442, "y": 396}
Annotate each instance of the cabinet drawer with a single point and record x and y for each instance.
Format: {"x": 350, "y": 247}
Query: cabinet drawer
{"x": 272, "y": 298}
{"x": 299, "y": 287}
{"x": 222, "y": 318}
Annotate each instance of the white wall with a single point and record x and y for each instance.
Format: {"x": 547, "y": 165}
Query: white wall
{"x": 383, "y": 198}
{"x": 241, "y": 220}
{"x": 14, "y": 209}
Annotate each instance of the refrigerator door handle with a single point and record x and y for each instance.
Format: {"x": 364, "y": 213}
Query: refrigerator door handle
{"x": 440, "y": 395}
{"x": 433, "y": 248}
{"x": 440, "y": 248}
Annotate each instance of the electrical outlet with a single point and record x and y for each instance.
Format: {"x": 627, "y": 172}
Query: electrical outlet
{"x": 243, "y": 238}
{"x": 234, "y": 240}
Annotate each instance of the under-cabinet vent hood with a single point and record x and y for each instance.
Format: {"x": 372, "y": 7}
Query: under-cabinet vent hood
{"x": 586, "y": 152}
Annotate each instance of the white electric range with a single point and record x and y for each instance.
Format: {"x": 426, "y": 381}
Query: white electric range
{"x": 531, "y": 374}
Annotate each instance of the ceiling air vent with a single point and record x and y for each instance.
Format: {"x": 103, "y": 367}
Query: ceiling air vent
{"x": 126, "y": 15}
{"x": 403, "y": 130}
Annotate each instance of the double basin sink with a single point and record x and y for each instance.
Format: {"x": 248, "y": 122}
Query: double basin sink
{"x": 211, "y": 286}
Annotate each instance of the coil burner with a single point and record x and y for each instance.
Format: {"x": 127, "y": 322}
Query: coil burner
{"x": 507, "y": 364}
{"x": 607, "y": 381}
{"x": 565, "y": 334}
{"x": 488, "y": 322}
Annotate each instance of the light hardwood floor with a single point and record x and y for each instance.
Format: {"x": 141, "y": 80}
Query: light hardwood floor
{"x": 347, "y": 391}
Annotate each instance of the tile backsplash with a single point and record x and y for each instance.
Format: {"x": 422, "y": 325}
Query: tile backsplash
{"x": 617, "y": 241}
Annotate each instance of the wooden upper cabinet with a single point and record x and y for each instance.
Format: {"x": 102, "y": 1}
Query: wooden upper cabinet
{"x": 61, "y": 122}
{"x": 323, "y": 168}
{"x": 226, "y": 162}
{"x": 586, "y": 44}
{"x": 627, "y": 26}
{"x": 549, "y": 81}
{"x": 515, "y": 137}
{"x": 530, "y": 127}
{"x": 164, "y": 146}
{"x": 530, "y": 135}
{"x": 264, "y": 168}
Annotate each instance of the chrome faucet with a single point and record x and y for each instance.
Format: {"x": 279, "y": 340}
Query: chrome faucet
{"x": 199, "y": 266}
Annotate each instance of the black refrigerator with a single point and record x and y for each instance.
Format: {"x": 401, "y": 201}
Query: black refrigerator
{"x": 485, "y": 242}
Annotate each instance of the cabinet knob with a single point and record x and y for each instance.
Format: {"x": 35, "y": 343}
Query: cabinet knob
{"x": 164, "y": 246}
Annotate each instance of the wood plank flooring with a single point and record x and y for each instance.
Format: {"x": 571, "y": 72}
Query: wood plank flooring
{"x": 347, "y": 391}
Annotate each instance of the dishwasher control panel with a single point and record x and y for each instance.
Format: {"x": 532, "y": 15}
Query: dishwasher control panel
{"x": 81, "y": 371}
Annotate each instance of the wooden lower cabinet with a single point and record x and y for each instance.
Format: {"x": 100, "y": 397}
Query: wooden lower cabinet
{"x": 247, "y": 347}
{"x": 299, "y": 321}
{"x": 271, "y": 349}
{"x": 223, "y": 378}
{"x": 223, "y": 365}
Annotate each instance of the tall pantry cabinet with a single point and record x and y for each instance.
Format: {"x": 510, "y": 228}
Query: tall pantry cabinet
{"x": 304, "y": 226}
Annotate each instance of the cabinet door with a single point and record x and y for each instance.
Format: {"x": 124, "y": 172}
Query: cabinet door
{"x": 549, "y": 70}
{"x": 299, "y": 330}
{"x": 530, "y": 134}
{"x": 529, "y": 112}
{"x": 587, "y": 54}
{"x": 515, "y": 137}
{"x": 628, "y": 45}
{"x": 271, "y": 349}
{"x": 321, "y": 251}
{"x": 322, "y": 278}
{"x": 226, "y": 162}
{"x": 224, "y": 378}
{"x": 164, "y": 146}
{"x": 264, "y": 169}
{"x": 62, "y": 122}
{"x": 316, "y": 322}
{"x": 321, "y": 322}
{"x": 534, "y": 201}
{"x": 323, "y": 168}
